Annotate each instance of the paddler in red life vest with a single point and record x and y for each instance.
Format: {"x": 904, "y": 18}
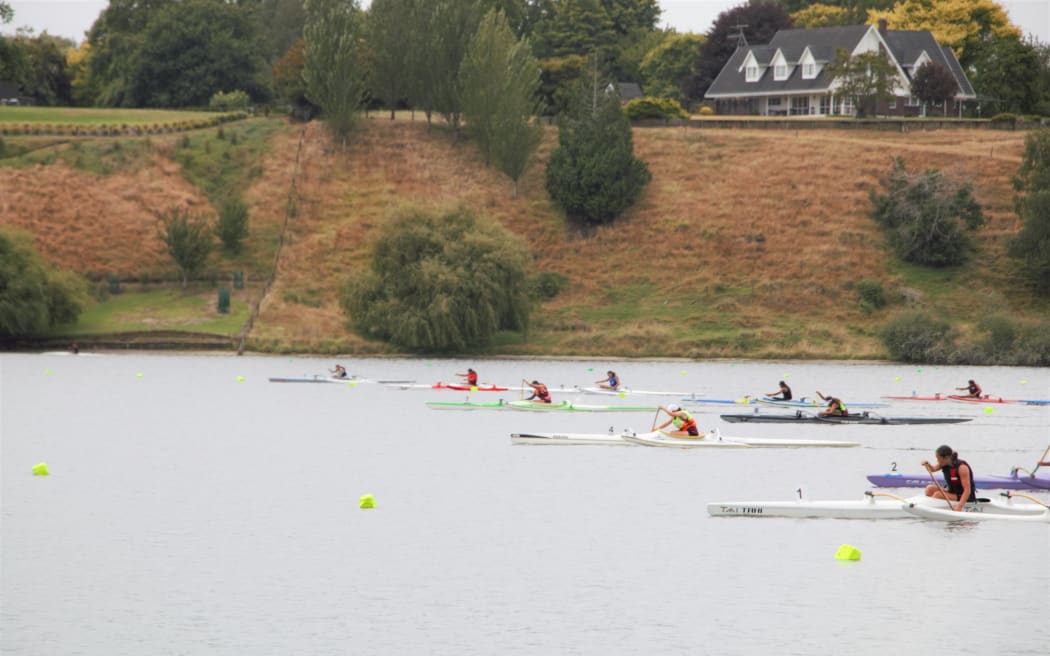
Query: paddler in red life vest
{"x": 958, "y": 477}
{"x": 836, "y": 408}
{"x": 972, "y": 389}
{"x": 539, "y": 393}
{"x": 684, "y": 424}
{"x": 471, "y": 377}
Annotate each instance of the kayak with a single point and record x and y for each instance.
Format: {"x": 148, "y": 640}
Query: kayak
{"x": 462, "y": 387}
{"x": 1035, "y": 401}
{"x": 863, "y": 418}
{"x": 569, "y": 406}
{"x": 874, "y": 506}
{"x": 467, "y": 405}
{"x": 328, "y": 379}
{"x": 814, "y": 403}
{"x": 656, "y": 438}
{"x": 626, "y": 391}
{"x": 744, "y": 400}
{"x": 936, "y": 397}
{"x": 1011, "y": 482}
{"x": 978, "y": 514}
{"x": 983, "y": 399}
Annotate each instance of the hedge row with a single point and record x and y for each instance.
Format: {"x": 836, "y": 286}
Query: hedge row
{"x": 116, "y": 129}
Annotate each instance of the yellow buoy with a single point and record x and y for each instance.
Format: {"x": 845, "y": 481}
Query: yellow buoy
{"x": 623, "y": 395}
{"x": 897, "y": 379}
{"x": 989, "y": 410}
{"x": 367, "y": 501}
{"x": 40, "y": 469}
{"x": 353, "y": 383}
{"x": 240, "y": 379}
{"x": 138, "y": 375}
{"x": 47, "y": 373}
{"x": 473, "y": 388}
{"x": 847, "y": 552}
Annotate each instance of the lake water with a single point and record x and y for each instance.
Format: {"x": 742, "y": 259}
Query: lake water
{"x": 190, "y": 513}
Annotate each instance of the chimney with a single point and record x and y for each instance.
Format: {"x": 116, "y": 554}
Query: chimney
{"x": 882, "y": 27}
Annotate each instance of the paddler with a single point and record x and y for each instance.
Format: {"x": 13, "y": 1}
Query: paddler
{"x": 958, "y": 478}
{"x": 684, "y": 423}
{"x": 836, "y": 408}
{"x": 540, "y": 394}
{"x": 972, "y": 389}
{"x": 339, "y": 372}
{"x": 784, "y": 393}
{"x": 471, "y": 377}
{"x": 610, "y": 382}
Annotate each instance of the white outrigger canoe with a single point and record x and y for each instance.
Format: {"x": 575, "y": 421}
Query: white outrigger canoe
{"x": 977, "y": 514}
{"x": 874, "y": 506}
{"x": 629, "y": 391}
{"x": 714, "y": 439}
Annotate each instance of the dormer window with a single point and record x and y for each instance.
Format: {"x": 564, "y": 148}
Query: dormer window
{"x": 780, "y": 72}
{"x": 751, "y": 73}
{"x": 809, "y": 71}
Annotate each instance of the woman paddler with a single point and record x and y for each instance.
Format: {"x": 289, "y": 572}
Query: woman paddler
{"x": 958, "y": 478}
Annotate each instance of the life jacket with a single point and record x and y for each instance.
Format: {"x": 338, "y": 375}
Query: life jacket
{"x": 953, "y": 482}
{"x": 842, "y": 406}
{"x": 542, "y": 393}
{"x": 685, "y": 423}
{"x": 975, "y": 390}
{"x": 785, "y": 393}
{"x": 614, "y": 382}
{"x": 472, "y": 378}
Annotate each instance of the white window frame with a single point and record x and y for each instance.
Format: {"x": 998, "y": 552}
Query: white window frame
{"x": 827, "y": 107}
{"x": 809, "y": 71}
{"x": 912, "y": 101}
{"x": 780, "y": 72}
{"x": 773, "y": 101}
{"x": 751, "y": 74}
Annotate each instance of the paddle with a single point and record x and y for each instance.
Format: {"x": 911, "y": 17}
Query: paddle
{"x": 944, "y": 493}
{"x": 1041, "y": 459}
{"x": 655, "y": 417}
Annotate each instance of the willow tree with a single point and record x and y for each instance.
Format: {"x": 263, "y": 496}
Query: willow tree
{"x": 501, "y": 82}
{"x": 440, "y": 282}
{"x": 334, "y": 69}
{"x": 33, "y": 296}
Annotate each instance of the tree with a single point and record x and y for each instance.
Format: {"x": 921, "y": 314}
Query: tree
{"x": 443, "y": 282}
{"x": 279, "y": 25}
{"x": 1010, "y": 75}
{"x": 454, "y": 25}
{"x": 959, "y": 24}
{"x": 389, "y": 32}
{"x": 593, "y": 174}
{"x": 932, "y": 83}
{"x": 334, "y": 71}
{"x": 1032, "y": 244}
{"x": 928, "y": 217}
{"x": 763, "y": 19}
{"x": 822, "y": 15}
{"x": 33, "y": 296}
{"x": 864, "y": 78}
{"x": 668, "y": 68}
{"x": 288, "y": 81}
{"x": 232, "y": 226}
{"x": 188, "y": 239}
{"x": 37, "y": 66}
{"x": 6, "y": 12}
{"x": 501, "y": 82}
{"x": 194, "y": 48}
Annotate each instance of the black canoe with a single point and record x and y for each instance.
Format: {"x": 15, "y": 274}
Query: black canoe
{"x": 861, "y": 418}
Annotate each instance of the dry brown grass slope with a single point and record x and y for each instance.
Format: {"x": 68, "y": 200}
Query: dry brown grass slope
{"x": 744, "y": 244}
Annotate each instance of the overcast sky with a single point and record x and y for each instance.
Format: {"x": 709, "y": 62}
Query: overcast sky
{"x": 72, "y": 18}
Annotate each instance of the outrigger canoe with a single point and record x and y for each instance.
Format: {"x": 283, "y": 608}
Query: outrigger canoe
{"x": 657, "y": 438}
{"x": 467, "y": 405}
{"x": 936, "y": 397}
{"x": 862, "y": 418}
{"x": 744, "y": 400}
{"x": 462, "y": 387}
{"x": 815, "y": 403}
{"x": 873, "y": 506}
{"x": 316, "y": 378}
{"x": 570, "y": 406}
{"x": 976, "y": 514}
{"x": 1014, "y": 481}
{"x": 627, "y": 391}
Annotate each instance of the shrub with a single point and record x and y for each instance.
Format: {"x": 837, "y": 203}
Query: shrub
{"x": 917, "y": 337}
{"x": 871, "y": 295}
{"x": 113, "y": 284}
{"x": 1004, "y": 117}
{"x": 3, "y": 147}
{"x": 650, "y": 107}
{"x": 547, "y": 285}
{"x": 928, "y": 217}
{"x": 224, "y": 300}
{"x": 188, "y": 241}
{"x": 706, "y": 110}
{"x": 225, "y": 102}
{"x": 1031, "y": 245}
{"x": 232, "y": 226}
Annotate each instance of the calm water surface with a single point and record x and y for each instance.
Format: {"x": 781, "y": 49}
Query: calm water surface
{"x": 189, "y": 513}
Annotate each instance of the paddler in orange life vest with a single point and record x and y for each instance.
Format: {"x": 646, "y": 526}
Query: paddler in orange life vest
{"x": 958, "y": 477}
{"x": 972, "y": 389}
{"x": 471, "y": 377}
{"x": 539, "y": 393}
{"x": 684, "y": 424}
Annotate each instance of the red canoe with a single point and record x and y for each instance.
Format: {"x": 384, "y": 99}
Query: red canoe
{"x": 937, "y": 397}
{"x": 463, "y": 387}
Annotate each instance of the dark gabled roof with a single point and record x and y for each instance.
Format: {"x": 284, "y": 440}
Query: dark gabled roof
{"x": 905, "y": 45}
{"x": 629, "y": 90}
{"x": 8, "y": 90}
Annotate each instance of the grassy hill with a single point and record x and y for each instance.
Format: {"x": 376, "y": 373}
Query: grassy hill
{"x": 747, "y": 243}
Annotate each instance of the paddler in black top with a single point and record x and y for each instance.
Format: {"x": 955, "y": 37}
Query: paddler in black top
{"x": 958, "y": 477}
{"x": 785, "y": 393}
{"x": 836, "y": 408}
{"x": 972, "y": 389}
{"x": 338, "y": 372}
{"x": 540, "y": 394}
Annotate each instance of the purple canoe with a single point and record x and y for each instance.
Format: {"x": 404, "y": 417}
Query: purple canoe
{"x": 1016, "y": 481}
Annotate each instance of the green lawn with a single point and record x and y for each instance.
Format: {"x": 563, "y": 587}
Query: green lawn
{"x": 160, "y": 309}
{"x": 92, "y": 115}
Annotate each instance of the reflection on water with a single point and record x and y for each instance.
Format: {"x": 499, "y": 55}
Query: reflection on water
{"x": 191, "y": 513}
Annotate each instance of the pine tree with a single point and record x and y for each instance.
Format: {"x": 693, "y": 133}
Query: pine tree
{"x": 334, "y": 65}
